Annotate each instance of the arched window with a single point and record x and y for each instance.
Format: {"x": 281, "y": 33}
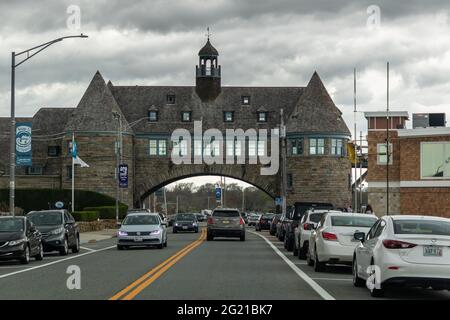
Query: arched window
{"x": 208, "y": 67}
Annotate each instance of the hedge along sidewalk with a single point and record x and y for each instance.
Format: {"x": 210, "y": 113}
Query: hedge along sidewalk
{"x": 94, "y": 236}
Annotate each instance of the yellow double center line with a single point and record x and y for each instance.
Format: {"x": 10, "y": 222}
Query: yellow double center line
{"x": 143, "y": 282}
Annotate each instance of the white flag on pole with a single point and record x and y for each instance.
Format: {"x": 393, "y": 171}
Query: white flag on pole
{"x": 78, "y": 160}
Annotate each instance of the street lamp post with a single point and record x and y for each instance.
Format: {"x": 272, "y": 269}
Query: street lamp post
{"x": 29, "y": 54}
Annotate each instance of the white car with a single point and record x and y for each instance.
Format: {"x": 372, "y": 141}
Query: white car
{"x": 333, "y": 241}
{"x": 142, "y": 229}
{"x": 406, "y": 251}
{"x": 302, "y": 233}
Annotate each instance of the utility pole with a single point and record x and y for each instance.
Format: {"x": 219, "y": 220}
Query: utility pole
{"x": 243, "y": 199}
{"x": 118, "y": 155}
{"x": 154, "y": 202}
{"x": 283, "y": 159}
{"x": 29, "y": 53}
{"x": 387, "y": 141}
{"x": 360, "y": 171}
{"x": 165, "y": 201}
{"x": 73, "y": 170}
{"x": 355, "y": 194}
{"x": 177, "y": 205}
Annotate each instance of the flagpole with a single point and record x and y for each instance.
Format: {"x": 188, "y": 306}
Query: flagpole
{"x": 73, "y": 173}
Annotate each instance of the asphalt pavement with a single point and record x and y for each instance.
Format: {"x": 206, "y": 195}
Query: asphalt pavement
{"x": 190, "y": 268}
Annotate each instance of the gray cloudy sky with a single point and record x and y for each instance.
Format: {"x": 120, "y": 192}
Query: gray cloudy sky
{"x": 261, "y": 42}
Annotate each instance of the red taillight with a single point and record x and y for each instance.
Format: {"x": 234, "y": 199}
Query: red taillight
{"x": 395, "y": 244}
{"x": 210, "y": 220}
{"x": 393, "y": 268}
{"x": 329, "y": 236}
{"x": 306, "y": 226}
{"x": 241, "y": 222}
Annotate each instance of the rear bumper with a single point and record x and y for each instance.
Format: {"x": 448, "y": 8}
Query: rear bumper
{"x": 335, "y": 253}
{"x": 226, "y": 232}
{"x": 188, "y": 228}
{"x": 440, "y": 283}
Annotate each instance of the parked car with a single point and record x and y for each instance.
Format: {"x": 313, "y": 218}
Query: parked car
{"x": 264, "y": 222}
{"x": 333, "y": 241}
{"x": 59, "y": 230}
{"x": 19, "y": 240}
{"x": 245, "y": 217}
{"x": 273, "y": 224}
{"x": 185, "y": 222}
{"x": 303, "y": 232}
{"x": 403, "y": 250}
{"x": 201, "y": 217}
{"x": 225, "y": 223}
{"x": 142, "y": 229}
{"x": 280, "y": 227}
{"x": 171, "y": 219}
{"x": 295, "y": 215}
{"x": 253, "y": 219}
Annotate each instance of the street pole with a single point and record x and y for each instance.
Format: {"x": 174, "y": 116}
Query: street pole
{"x": 387, "y": 141}
{"x": 177, "y": 205}
{"x": 360, "y": 171}
{"x": 117, "y": 115}
{"x": 355, "y": 194}
{"x": 165, "y": 201}
{"x": 12, "y": 140}
{"x": 243, "y": 199}
{"x": 283, "y": 157}
{"x": 73, "y": 172}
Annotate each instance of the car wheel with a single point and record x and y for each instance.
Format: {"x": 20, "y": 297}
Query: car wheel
{"x": 160, "y": 246}
{"x": 76, "y": 247}
{"x": 196, "y": 230}
{"x": 40, "y": 255}
{"x": 120, "y": 247}
{"x": 302, "y": 252}
{"x": 309, "y": 261}
{"x": 295, "y": 249}
{"x": 289, "y": 244}
{"x": 165, "y": 243}
{"x": 65, "y": 249}
{"x": 357, "y": 281}
{"x": 375, "y": 292}
{"x": 26, "y": 256}
{"x": 174, "y": 231}
{"x": 318, "y": 266}
{"x": 242, "y": 238}
{"x": 209, "y": 237}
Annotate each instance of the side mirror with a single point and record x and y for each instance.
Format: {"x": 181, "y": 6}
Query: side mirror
{"x": 360, "y": 236}
{"x": 119, "y": 224}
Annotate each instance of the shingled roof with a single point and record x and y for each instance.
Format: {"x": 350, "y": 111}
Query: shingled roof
{"x": 95, "y": 109}
{"x": 316, "y": 112}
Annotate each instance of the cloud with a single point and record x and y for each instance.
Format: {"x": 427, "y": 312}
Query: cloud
{"x": 261, "y": 42}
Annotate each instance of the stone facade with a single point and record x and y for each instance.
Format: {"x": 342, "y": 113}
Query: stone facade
{"x": 308, "y": 112}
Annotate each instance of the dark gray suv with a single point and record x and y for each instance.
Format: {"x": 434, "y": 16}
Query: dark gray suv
{"x": 225, "y": 223}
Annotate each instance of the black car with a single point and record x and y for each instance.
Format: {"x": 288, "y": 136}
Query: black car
{"x": 19, "y": 240}
{"x": 185, "y": 222}
{"x": 264, "y": 222}
{"x": 294, "y": 217}
{"x": 59, "y": 230}
{"x": 273, "y": 224}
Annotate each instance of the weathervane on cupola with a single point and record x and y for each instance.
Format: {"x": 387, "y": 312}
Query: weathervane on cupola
{"x": 208, "y": 72}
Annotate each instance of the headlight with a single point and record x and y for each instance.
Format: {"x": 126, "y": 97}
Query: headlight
{"x": 194, "y": 224}
{"x": 122, "y": 233}
{"x": 15, "y": 242}
{"x": 57, "y": 231}
{"x": 156, "y": 232}
{"x": 176, "y": 224}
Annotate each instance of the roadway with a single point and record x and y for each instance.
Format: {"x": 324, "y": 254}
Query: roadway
{"x": 190, "y": 268}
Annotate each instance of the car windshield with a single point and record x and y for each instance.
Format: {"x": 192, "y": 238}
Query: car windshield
{"x": 140, "y": 220}
{"x": 315, "y": 217}
{"x": 48, "y": 218}
{"x": 185, "y": 217}
{"x": 11, "y": 225}
{"x": 423, "y": 227}
{"x": 268, "y": 216}
{"x": 346, "y": 221}
{"x": 226, "y": 214}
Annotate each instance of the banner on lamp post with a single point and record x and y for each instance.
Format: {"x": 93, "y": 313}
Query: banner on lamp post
{"x": 23, "y": 144}
{"x": 123, "y": 176}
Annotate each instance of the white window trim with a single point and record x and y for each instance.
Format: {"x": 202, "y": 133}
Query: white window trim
{"x": 391, "y": 156}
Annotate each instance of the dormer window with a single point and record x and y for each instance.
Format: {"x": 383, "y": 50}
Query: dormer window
{"x": 245, "y": 100}
{"x": 170, "y": 99}
{"x": 186, "y": 116}
{"x": 262, "y": 116}
{"x": 152, "y": 115}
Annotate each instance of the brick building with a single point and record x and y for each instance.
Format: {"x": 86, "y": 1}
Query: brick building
{"x": 317, "y": 165}
{"x": 419, "y": 168}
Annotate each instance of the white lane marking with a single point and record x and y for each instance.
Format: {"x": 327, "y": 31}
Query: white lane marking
{"x": 88, "y": 249}
{"x": 53, "y": 262}
{"x": 332, "y": 279}
{"x": 321, "y": 291}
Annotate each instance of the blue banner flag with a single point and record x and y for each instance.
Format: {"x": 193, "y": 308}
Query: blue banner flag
{"x": 218, "y": 193}
{"x": 123, "y": 176}
{"x": 23, "y": 144}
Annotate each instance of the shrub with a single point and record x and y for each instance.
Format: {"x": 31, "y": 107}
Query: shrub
{"x": 109, "y": 212}
{"x": 85, "y": 215}
{"x": 44, "y": 199}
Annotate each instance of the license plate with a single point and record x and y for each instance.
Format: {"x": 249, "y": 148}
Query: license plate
{"x": 225, "y": 221}
{"x": 432, "y": 251}
{"x": 138, "y": 239}
{"x": 185, "y": 227}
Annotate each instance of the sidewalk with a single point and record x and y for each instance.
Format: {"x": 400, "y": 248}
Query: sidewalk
{"x": 94, "y": 236}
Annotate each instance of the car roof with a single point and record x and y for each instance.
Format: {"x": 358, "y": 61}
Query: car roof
{"x": 324, "y": 211}
{"x": 350, "y": 214}
{"x": 143, "y": 213}
{"x": 416, "y": 217}
{"x": 48, "y": 211}
{"x": 15, "y": 217}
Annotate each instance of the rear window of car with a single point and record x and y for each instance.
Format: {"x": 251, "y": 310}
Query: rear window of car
{"x": 185, "y": 217}
{"x": 315, "y": 217}
{"x": 423, "y": 227}
{"x": 226, "y": 214}
{"x": 362, "y": 222}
